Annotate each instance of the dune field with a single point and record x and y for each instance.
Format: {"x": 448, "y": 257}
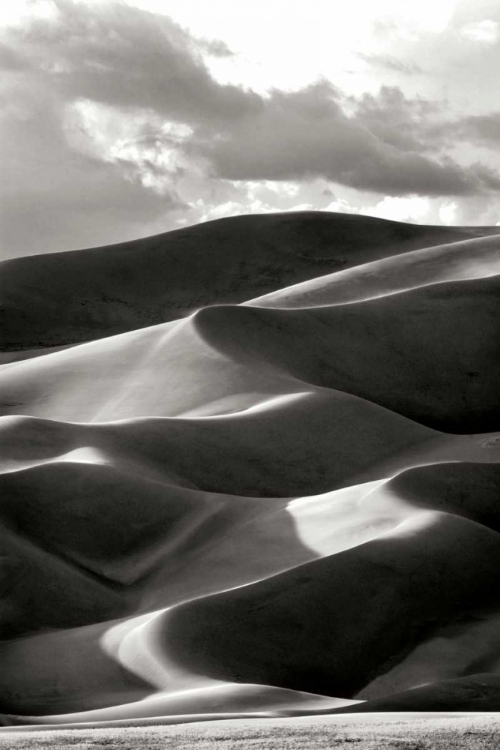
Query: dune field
{"x": 251, "y": 468}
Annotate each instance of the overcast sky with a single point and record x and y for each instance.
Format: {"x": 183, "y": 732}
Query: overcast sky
{"x": 125, "y": 119}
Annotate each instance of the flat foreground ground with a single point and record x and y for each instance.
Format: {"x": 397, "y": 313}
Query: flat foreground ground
{"x": 368, "y": 732}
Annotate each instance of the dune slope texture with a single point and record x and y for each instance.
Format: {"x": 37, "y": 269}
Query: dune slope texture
{"x": 266, "y": 484}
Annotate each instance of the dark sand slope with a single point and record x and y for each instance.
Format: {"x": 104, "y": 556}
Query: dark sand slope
{"x": 430, "y": 354}
{"x": 42, "y": 590}
{"x": 477, "y": 692}
{"x": 141, "y": 544}
{"x": 332, "y": 626}
{"x": 411, "y": 578}
{"x": 50, "y": 300}
{"x": 279, "y": 508}
{"x": 303, "y": 445}
{"x": 299, "y": 445}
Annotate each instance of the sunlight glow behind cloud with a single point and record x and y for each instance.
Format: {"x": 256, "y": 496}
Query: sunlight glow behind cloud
{"x": 289, "y": 43}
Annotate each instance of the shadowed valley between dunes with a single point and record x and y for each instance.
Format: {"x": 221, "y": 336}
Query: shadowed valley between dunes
{"x": 267, "y": 482}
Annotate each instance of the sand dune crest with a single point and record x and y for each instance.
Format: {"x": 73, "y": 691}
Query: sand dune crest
{"x": 265, "y": 485}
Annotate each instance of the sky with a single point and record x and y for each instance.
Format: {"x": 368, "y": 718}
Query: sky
{"x": 126, "y": 119}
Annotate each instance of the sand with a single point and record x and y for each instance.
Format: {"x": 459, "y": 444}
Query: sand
{"x": 62, "y": 298}
{"x": 265, "y": 485}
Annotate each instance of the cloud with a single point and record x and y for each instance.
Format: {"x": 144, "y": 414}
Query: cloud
{"x": 485, "y": 31}
{"x": 412, "y": 209}
{"x": 483, "y": 129}
{"x": 387, "y": 62}
{"x": 406, "y": 124}
{"x": 111, "y": 123}
{"x": 215, "y": 47}
{"x": 53, "y": 197}
{"x": 307, "y": 134}
{"x": 11, "y": 59}
{"x": 126, "y": 57}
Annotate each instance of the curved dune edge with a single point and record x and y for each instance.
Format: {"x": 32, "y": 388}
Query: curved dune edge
{"x": 221, "y": 701}
{"x": 403, "y": 508}
{"x": 463, "y": 696}
{"x": 457, "y": 261}
{"x": 100, "y": 292}
{"x": 277, "y": 508}
{"x": 429, "y": 354}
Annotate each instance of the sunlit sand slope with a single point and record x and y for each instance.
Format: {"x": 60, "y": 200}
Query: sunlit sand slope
{"x": 282, "y": 507}
{"x": 456, "y": 261}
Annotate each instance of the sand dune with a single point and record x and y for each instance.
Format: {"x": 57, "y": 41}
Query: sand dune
{"x": 430, "y": 354}
{"x": 477, "y": 692}
{"x": 102, "y": 291}
{"x": 43, "y": 590}
{"x": 282, "y": 507}
{"x": 226, "y": 699}
{"x": 7, "y": 357}
{"x": 456, "y": 261}
{"x": 307, "y": 445}
{"x": 380, "y": 513}
{"x": 332, "y": 625}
